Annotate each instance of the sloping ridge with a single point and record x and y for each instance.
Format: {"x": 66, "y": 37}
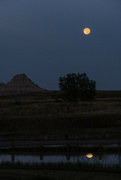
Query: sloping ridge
{"x": 20, "y": 84}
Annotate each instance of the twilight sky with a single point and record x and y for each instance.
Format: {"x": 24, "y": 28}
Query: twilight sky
{"x": 44, "y": 39}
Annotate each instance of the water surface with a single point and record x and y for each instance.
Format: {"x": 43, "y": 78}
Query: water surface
{"x": 109, "y": 160}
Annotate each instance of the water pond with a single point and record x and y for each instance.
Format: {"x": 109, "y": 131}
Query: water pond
{"x": 109, "y": 160}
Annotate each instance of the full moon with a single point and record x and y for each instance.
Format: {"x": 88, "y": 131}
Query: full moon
{"x": 86, "y": 31}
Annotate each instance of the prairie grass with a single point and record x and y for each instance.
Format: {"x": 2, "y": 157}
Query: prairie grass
{"x": 42, "y": 114}
{"x": 62, "y": 166}
{"x": 20, "y": 174}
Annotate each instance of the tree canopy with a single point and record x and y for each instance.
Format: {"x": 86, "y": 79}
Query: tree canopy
{"x": 77, "y": 87}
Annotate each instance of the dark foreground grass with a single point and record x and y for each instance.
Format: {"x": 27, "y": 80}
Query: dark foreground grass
{"x": 19, "y": 174}
{"x": 27, "y": 117}
{"x": 61, "y": 166}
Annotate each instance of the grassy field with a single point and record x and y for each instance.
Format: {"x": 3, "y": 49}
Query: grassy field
{"x": 57, "y": 175}
{"x": 47, "y": 116}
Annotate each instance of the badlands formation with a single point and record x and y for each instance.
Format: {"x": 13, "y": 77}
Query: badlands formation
{"x": 19, "y": 84}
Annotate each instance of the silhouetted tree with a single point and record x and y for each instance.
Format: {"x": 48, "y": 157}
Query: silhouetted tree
{"x": 77, "y": 86}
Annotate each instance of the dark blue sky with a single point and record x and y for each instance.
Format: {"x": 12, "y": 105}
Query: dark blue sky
{"x": 44, "y": 39}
